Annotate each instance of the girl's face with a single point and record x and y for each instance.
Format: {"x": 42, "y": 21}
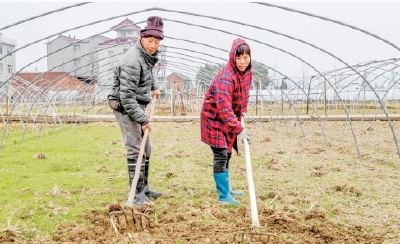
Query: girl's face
{"x": 242, "y": 61}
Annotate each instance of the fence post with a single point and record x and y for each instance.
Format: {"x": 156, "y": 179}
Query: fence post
{"x": 257, "y": 84}
{"x": 172, "y": 99}
{"x": 364, "y": 85}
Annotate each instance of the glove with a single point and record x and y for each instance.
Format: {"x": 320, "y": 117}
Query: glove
{"x": 243, "y": 135}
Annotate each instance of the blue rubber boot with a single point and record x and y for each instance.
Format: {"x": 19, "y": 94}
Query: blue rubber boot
{"x": 222, "y": 185}
{"x": 232, "y": 192}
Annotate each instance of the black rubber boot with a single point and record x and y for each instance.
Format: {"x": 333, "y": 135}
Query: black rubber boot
{"x": 148, "y": 191}
{"x": 140, "y": 197}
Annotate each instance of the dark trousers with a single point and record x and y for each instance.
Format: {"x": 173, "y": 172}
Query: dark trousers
{"x": 132, "y": 135}
{"x": 221, "y": 159}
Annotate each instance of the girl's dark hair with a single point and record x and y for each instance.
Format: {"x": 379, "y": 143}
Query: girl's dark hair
{"x": 243, "y": 48}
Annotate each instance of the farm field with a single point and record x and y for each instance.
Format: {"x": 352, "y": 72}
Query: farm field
{"x": 58, "y": 189}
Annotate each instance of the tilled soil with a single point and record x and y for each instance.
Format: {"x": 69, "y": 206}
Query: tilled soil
{"x": 311, "y": 227}
{"x": 306, "y": 192}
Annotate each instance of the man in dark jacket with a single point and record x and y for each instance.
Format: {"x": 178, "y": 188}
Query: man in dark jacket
{"x": 132, "y": 90}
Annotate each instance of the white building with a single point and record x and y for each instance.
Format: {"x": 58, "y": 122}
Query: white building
{"x": 75, "y": 56}
{"x": 96, "y": 58}
{"x": 110, "y": 53}
{"x": 7, "y": 63}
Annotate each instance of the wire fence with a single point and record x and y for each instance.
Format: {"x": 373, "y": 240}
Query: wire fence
{"x": 74, "y": 89}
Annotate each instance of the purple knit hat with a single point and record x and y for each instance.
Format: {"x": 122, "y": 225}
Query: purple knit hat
{"x": 153, "y": 28}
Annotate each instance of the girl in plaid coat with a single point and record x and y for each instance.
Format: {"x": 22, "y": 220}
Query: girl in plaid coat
{"x": 224, "y": 104}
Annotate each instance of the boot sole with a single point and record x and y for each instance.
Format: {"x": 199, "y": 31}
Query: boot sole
{"x": 228, "y": 203}
{"x": 152, "y": 196}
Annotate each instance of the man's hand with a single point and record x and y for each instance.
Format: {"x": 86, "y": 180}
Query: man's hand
{"x": 156, "y": 93}
{"x": 243, "y": 135}
{"x": 146, "y": 126}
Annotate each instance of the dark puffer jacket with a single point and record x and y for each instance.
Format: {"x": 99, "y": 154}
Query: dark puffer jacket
{"x": 133, "y": 81}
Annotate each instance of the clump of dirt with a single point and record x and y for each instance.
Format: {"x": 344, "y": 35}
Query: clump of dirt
{"x": 316, "y": 150}
{"x": 346, "y": 188}
{"x": 171, "y": 174}
{"x": 40, "y": 156}
{"x": 267, "y": 139}
{"x": 114, "y": 207}
{"x": 102, "y": 169}
{"x": 8, "y": 236}
{"x": 318, "y": 173}
{"x": 314, "y": 213}
{"x": 274, "y": 164}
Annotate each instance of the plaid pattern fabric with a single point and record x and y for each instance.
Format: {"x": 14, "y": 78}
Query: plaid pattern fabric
{"x": 225, "y": 102}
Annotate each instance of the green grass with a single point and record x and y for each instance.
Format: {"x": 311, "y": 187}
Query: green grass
{"x": 85, "y": 163}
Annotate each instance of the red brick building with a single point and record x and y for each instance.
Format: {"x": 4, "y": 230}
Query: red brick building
{"x": 182, "y": 81}
{"x": 36, "y": 83}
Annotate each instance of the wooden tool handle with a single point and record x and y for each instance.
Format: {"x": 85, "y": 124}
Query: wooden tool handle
{"x": 132, "y": 192}
{"x": 253, "y": 204}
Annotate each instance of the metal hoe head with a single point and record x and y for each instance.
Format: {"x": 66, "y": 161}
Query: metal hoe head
{"x": 127, "y": 218}
{"x": 255, "y": 236}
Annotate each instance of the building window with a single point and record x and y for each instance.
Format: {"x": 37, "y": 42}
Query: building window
{"x": 10, "y": 69}
{"x": 9, "y": 50}
{"x": 77, "y": 48}
{"x": 1, "y": 67}
{"x": 77, "y": 62}
{"x": 125, "y": 50}
{"x": 126, "y": 33}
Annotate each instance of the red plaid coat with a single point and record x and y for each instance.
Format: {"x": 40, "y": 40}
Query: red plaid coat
{"x": 225, "y": 102}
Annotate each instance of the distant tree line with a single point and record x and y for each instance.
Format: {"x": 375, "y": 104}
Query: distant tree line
{"x": 207, "y": 72}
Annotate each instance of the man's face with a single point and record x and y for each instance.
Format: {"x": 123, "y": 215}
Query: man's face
{"x": 150, "y": 44}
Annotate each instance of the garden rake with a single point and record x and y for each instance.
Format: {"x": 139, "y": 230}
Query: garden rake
{"x": 255, "y": 235}
{"x": 114, "y": 211}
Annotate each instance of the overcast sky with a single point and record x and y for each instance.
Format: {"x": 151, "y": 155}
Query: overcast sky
{"x": 382, "y": 19}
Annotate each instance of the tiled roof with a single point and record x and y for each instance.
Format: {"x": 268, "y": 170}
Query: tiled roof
{"x": 126, "y": 24}
{"x": 57, "y": 80}
{"x": 183, "y": 77}
{"x": 104, "y": 37}
{"x": 68, "y": 38}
